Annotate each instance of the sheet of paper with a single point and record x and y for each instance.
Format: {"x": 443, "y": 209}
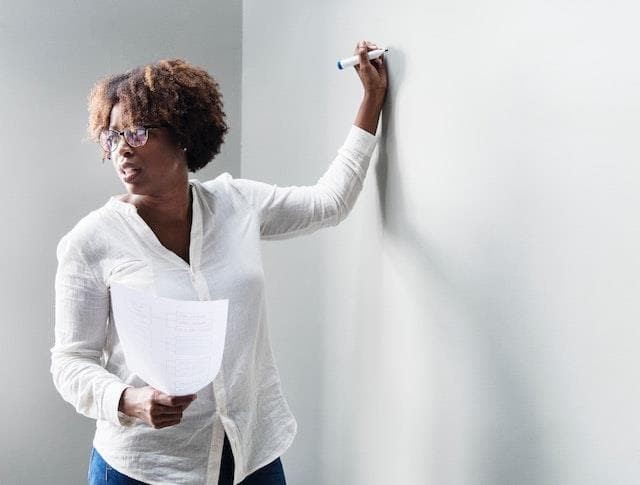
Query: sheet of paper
{"x": 174, "y": 345}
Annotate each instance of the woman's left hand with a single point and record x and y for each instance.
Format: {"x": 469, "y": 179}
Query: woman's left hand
{"x": 372, "y": 73}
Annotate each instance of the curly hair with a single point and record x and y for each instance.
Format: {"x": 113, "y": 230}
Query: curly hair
{"x": 170, "y": 93}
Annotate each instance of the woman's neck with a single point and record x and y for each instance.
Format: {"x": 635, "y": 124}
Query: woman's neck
{"x": 171, "y": 206}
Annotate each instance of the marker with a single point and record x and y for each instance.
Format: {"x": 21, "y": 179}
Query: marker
{"x": 352, "y": 61}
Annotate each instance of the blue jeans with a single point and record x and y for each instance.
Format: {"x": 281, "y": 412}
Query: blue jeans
{"x": 101, "y": 473}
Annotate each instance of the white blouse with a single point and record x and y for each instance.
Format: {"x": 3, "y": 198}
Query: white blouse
{"x": 245, "y": 401}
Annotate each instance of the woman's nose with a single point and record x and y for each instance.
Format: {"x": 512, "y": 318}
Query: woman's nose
{"x": 123, "y": 148}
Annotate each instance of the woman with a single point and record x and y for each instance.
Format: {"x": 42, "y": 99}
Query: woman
{"x": 175, "y": 237}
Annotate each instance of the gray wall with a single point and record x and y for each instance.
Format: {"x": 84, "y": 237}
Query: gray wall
{"x": 474, "y": 320}
{"x": 51, "y": 53}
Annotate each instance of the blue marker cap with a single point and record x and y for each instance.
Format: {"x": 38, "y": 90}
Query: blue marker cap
{"x": 339, "y": 65}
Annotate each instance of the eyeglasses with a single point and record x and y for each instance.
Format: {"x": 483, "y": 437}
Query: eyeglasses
{"x": 135, "y": 137}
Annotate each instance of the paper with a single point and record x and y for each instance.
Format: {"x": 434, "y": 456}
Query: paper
{"x": 175, "y": 346}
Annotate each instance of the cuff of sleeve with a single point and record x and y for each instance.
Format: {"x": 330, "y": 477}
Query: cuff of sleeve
{"x": 112, "y": 401}
{"x": 361, "y": 141}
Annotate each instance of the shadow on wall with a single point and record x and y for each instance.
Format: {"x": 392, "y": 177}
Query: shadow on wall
{"x": 502, "y": 448}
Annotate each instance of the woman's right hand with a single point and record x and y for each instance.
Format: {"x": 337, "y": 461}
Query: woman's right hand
{"x": 154, "y": 407}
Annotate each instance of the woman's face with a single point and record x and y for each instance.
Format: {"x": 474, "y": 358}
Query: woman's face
{"x": 152, "y": 169}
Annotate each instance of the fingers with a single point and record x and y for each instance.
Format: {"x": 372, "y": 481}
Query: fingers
{"x": 162, "y": 416}
{"x": 378, "y": 64}
{"x": 160, "y": 410}
{"x": 165, "y": 410}
{"x": 362, "y": 50}
{"x": 173, "y": 401}
{"x": 166, "y": 421}
{"x": 370, "y": 46}
{"x": 381, "y": 68}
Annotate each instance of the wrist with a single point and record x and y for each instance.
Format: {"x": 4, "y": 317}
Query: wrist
{"x": 369, "y": 112}
{"x": 374, "y": 98}
{"x": 124, "y": 404}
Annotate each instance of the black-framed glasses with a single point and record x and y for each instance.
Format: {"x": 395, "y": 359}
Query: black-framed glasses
{"x": 135, "y": 136}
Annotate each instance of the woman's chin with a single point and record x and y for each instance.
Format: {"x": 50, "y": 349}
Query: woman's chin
{"x": 134, "y": 183}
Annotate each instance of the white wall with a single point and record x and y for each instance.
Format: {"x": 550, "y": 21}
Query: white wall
{"x": 474, "y": 320}
{"x": 51, "y": 53}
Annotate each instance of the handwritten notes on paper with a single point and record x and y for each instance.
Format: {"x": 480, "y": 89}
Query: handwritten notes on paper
{"x": 174, "y": 345}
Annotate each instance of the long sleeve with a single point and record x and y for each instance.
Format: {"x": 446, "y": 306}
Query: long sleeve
{"x": 81, "y": 315}
{"x": 286, "y": 212}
